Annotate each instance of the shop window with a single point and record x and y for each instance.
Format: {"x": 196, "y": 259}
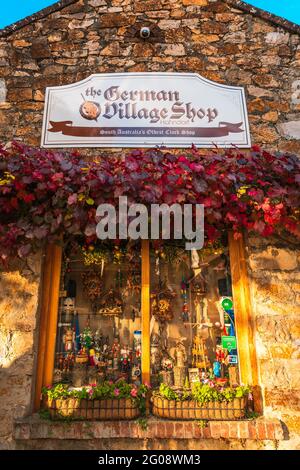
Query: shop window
{"x": 99, "y": 320}
{"x": 192, "y": 324}
{"x": 193, "y": 336}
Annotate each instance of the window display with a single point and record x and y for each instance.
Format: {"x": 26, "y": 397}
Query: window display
{"x": 99, "y": 320}
{"x": 192, "y": 329}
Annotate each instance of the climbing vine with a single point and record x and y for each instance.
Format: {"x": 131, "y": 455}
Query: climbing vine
{"x": 45, "y": 194}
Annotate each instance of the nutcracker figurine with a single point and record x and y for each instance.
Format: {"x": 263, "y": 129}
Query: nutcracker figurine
{"x": 125, "y": 359}
{"x": 68, "y": 340}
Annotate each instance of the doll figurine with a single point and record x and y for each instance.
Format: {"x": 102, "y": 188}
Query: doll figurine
{"x": 68, "y": 339}
{"x": 125, "y": 359}
{"x": 180, "y": 354}
{"x": 220, "y": 354}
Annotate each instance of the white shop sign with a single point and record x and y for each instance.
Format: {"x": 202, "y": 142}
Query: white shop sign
{"x": 145, "y": 110}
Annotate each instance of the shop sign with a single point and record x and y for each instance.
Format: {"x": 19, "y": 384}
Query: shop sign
{"x": 145, "y": 110}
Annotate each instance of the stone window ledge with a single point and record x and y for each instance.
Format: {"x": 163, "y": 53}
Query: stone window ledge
{"x": 34, "y": 427}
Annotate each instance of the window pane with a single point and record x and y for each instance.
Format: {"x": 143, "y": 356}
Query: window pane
{"x": 99, "y": 321}
{"x": 192, "y": 328}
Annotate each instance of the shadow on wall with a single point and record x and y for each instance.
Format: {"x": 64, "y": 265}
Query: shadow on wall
{"x": 15, "y": 394}
{"x": 19, "y": 294}
{"x": 274, "y": 267}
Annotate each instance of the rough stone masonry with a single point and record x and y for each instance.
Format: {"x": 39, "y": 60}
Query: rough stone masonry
{"x": 222, "y": 42}
{"x": 212, "y": 38}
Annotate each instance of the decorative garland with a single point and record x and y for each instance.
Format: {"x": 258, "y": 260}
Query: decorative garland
{"x": 45, "y": 195}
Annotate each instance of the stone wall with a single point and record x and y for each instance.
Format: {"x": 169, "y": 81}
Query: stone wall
{"x": 210, "y": 37}
{"x": 19, "y": 289}
{"x": 261, "y": 434}
{"x": 274, "y": 272}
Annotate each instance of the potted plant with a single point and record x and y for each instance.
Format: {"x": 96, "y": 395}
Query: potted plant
{"x": 107, "y": 401}
{"x": 203, "y": 401}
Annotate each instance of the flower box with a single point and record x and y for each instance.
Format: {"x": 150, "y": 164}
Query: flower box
{"x": 190, "y": 409}
{"x": 106, "y": 409}
{"x": 108, "y": 401}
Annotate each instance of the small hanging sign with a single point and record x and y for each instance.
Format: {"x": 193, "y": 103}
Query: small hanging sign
{"x": 229, "y": 342}
{"x": 233, "y": 359}
{"x": 145, "y": 110}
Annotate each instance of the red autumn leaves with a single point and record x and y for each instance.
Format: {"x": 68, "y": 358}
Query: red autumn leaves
{"x": 48, "y": 194}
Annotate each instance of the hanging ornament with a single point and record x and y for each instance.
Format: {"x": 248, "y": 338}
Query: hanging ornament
{"x": 199, "y": 353}
{"x": 92, "y": 285}
{"x": 95, "y": 256}
{"x": 184, "y": 296}
{"x": 161, "y": 305}
{"x": 111, "y": 303}
{"x": 119, "y": 253}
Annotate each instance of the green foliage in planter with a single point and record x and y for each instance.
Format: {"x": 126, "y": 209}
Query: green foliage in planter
{"x": 107, "y": 390}
{"x": 111, "y": 390}
{"x": 62, "y": 391}
{"x": 204, "y": 393}
{"x": 167, "y": 392}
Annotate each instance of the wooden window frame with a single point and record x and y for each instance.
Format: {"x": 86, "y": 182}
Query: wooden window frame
{"x": 242, "y": 306}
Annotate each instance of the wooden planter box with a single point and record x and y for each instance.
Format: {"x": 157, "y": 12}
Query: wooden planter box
{"x": 189, "y": 409}
{"x": 108, "y": 409}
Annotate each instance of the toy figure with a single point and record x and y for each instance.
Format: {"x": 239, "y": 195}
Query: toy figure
{"x": 68, "y": 308}
{"x": 115, "y": 351}
{"x": 179, "y": 368}
{"x": 137, "y": 348}
{"x": 217, "y": 369}
{"x": 167, "y": 366}
{"x": 167, "y": 363}
{"x": 92, "y": 357}
{"x": 125, "y": 359}
{"x": 221, "y": 359}
{"x": 220, "y": 354}
{"x": 69, "y": 304}
{"x": 68, "y": 339}
{"x": 180, "y": 354}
